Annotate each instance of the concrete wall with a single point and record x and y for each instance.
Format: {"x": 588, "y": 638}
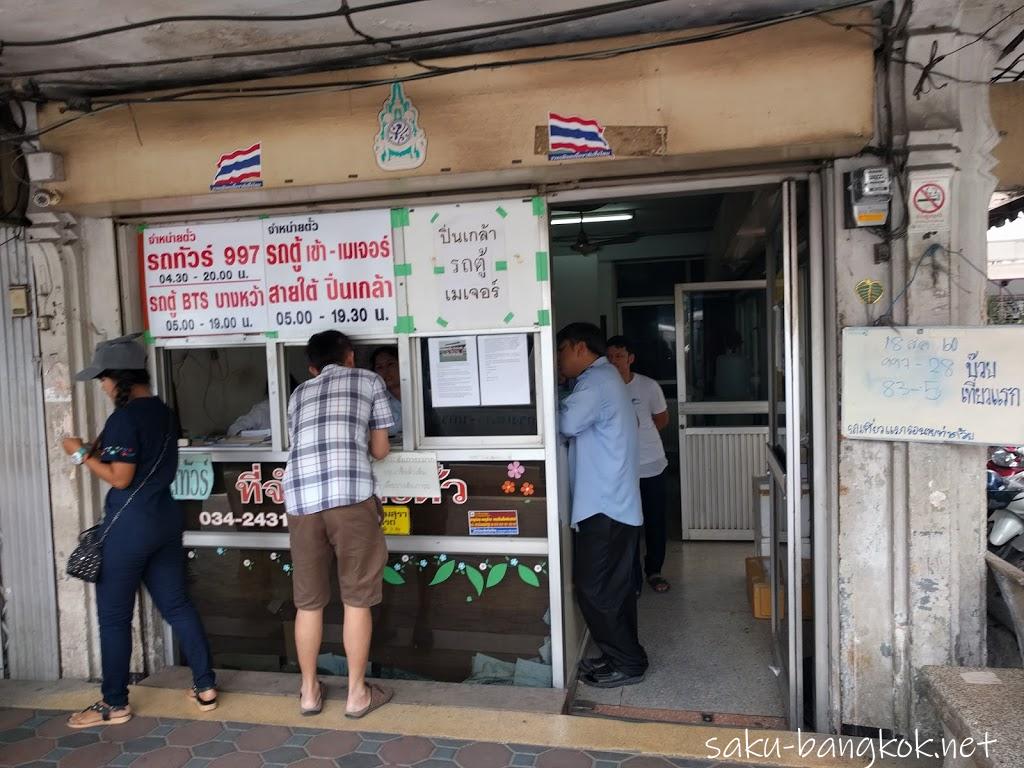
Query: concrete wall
{"x": 1007, "y": 100}
{"x": 724, "y": 102}
{"x": 911, "y": 517}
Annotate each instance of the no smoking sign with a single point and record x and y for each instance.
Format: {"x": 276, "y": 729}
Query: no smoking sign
{"x": 929, "y": 203}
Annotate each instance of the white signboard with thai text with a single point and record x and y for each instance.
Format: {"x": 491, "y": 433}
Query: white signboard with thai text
{"x": 944, "y": 385}
{"x": 290, "y": 275}
{"x": 332, "y": 270}
{"x": 477, "y": 266}
{"x": 204, "y": 279}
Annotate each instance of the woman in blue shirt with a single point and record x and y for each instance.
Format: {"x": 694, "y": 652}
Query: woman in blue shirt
{"x": 137, "y": 454}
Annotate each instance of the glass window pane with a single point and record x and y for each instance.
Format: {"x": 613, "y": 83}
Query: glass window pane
{"x": 447, "y": 617}
{"x": 651, "y": 329}
{"x": 726, "y": 344}
{"x": 220, "y": 394}
{"x": 477, "y": 421}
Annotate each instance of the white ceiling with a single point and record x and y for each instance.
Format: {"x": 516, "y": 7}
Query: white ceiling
{"x": 27, "y": 20}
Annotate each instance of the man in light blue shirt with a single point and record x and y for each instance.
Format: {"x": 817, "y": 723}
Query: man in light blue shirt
{"x": 599, "y": 419}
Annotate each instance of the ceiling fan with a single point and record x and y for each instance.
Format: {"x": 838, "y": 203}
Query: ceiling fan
{"x": 586, "y": 245}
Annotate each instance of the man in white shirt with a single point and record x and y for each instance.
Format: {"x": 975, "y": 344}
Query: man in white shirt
{"x": 652, "y": 417}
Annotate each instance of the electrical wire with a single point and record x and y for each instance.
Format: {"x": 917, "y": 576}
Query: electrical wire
{"x": 342, "y": 10}
{"x": 522, "y": 24}
{"x": 220, "y": 94}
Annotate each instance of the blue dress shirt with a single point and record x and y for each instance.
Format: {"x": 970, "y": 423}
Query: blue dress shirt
{"x": 600, "y": 420}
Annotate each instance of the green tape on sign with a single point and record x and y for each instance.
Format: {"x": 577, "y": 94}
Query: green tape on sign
{"x": 538, "y": 206}
{"x": 438, "y": 270}
{"x": 435, "y": 217}
{"x": 501, "y": 266}
{"x": 399, "y": 218}
{"x": 442, "y": 322}
{"x": 502, "y": 212}
{"x": 508, "y": 317}
{"x": 147, "y": 338}
{"x": 405, "y": 324}
{"x": 264, "y": 216}
{"x": 403, "y": 270}
{"x": 271, "y": 334}
{"x": 543, "y": 317}
{"x": 142, "y": 227}
{"x": 542, "y": 266}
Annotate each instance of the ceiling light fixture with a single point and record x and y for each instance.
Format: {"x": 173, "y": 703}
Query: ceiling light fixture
{"x": 592, "y": 219}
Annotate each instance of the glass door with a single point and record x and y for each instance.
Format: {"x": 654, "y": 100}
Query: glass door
{"x": 722, "y": 374}
{"x": 787, "y": 434}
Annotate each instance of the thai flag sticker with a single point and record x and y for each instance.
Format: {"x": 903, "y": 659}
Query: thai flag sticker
{"x": 575, "y": 138}
{"x": 239, "y": 169}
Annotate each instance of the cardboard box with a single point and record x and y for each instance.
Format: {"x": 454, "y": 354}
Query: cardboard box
{"x": 759, "y": 592}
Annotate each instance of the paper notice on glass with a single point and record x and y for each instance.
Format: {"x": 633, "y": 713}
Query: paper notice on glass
{"x": 407, "y": 475}
{"x": 454, "y": 377}
{"x": 504, "y": 370}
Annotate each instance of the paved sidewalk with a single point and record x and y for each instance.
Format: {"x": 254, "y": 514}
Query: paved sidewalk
{"x": 39, "y": 739}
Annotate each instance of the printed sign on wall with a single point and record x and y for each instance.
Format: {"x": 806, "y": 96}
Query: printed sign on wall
{"x": 477, "y": 266}
{"x": 291, "y": 275}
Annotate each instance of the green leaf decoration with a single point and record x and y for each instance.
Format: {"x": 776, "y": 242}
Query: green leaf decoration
{"x": 475, "y": 578}
{"x": 870, "y": 291}
{"x": 528, "y": 576}
{"x": 443, "y": 573}
{"x": 496, "y": 574}
{"x": 391, "y": 576}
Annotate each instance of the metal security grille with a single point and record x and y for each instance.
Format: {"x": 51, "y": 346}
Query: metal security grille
{"x": 26, "y": 535}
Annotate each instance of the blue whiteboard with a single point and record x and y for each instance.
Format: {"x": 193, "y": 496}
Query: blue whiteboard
{"x": 940, "y": 385}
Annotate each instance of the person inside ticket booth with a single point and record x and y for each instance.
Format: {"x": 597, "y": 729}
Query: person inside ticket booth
{"x": 384, "y": 362}
{"x": 257, "y": 419}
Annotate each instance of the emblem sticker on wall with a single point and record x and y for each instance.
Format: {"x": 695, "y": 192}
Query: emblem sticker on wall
{"x": 400, "y": 143}
{"x": 241, "y": 169}
{"x": 575, "y": 138}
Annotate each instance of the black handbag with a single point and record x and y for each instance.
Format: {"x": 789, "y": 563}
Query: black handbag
{"x": 86, "y": 560}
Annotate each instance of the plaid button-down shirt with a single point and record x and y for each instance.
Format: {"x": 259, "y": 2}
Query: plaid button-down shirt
{"x": 329, "y": 418}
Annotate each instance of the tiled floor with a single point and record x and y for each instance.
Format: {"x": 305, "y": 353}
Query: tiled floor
{"x": 707, "y": 652}
{"x": 39, "y": 739}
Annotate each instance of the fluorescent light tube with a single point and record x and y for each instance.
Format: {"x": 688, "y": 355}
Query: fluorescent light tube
{"x": 592, "y": 219}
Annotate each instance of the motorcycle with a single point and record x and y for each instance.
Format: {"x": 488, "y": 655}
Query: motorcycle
{"x": 1006, "y": 507}
{"x": 1007, "y": 461}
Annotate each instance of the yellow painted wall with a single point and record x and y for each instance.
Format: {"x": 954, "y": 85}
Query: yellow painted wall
{"x": 798, "y": 90}
{"x": 1007, "y": 104}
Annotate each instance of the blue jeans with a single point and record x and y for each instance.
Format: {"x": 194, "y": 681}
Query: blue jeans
{"x": 144, "y": 548}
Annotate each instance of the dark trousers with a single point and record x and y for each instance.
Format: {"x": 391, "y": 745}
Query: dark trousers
{"x": 652, "y": 498}
{"x": 603, "y": 573}
{"x": 145, "y": 549}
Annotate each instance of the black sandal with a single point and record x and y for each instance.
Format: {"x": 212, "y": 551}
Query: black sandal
{"x": 659, "y": 584}
{"x": 106, "y": 716}
{"x": 205, "y": 705}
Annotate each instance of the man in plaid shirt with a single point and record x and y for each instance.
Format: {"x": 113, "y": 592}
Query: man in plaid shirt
{"x": 336, "y": 422}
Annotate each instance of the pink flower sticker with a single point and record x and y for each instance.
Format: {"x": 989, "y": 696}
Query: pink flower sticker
{"x": 516, "y": 470}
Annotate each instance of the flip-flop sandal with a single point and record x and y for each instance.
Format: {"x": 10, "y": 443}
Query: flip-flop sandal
{"x": 203, "y": 704}
{"x": 379, "y": 696}
{"x": 658, "y": 584}
{"x": 99, "y": 714}
{"x": 315, "y": 710}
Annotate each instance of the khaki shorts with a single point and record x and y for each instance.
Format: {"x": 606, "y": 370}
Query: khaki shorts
{"x": 353, "y": 536}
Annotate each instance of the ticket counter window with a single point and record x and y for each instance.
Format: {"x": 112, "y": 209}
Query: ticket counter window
{"x": 480, "y": 386}
{"x": 380, "y": 357}
{"x": 221, "y": 395}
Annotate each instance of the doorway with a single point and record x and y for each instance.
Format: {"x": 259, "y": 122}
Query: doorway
{"x": 712, "y": 288}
